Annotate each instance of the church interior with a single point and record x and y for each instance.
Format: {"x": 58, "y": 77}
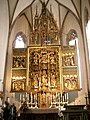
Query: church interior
{"x": 45, "y": 58}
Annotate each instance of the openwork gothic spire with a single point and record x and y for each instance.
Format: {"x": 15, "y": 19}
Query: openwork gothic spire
{"x": 45, "y": 30}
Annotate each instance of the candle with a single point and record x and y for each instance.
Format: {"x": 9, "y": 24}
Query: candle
{"x": 20, "y": 97}
{"x": 31, "y": 97}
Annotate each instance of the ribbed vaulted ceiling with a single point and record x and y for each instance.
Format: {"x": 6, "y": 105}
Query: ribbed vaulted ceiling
{"x": 59, "y": 9}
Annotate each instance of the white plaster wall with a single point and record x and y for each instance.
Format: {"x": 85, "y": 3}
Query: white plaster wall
{"x": 85, "y": 4}
{"x": 4, "y": 29}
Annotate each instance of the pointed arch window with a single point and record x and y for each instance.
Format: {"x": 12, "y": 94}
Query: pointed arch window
{"x": 87, "y": 26}
{"x": 88, "y": 36}
{"x": 72, "y": 37}
{"x": 20, "y": 41}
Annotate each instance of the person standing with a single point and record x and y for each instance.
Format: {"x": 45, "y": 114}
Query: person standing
{"x": 6, "y": 111}
{"x": 13, "y": 112}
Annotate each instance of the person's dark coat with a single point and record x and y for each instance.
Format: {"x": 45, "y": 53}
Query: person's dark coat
{"x": 7, "y": 111}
